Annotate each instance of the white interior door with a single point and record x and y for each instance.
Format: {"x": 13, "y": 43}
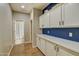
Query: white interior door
{"x": 19, "y": 32}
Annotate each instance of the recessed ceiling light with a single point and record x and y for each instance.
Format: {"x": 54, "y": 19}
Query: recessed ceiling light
{"x": 22, "y": 6}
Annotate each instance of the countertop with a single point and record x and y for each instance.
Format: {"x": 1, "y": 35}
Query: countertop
{"x": 72, "y": 45}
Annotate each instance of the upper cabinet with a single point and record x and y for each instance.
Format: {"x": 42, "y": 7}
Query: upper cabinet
{"x": 70, "y": 15}
{"x": 51, "y": 18}
{"x": 61, "y": 15}
{"x": 55, "y": 17}
{"x": 44, "y": 20}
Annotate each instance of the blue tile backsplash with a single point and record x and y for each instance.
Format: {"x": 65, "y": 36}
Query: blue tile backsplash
{"x": 63, "y": 33}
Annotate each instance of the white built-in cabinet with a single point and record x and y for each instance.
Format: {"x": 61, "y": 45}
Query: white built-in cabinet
{"x": 70, "y": 15}
{"x": 64, "y": 15}
{"x": 44, "y": 20}
{"x": 49, "y": 48}
{"x": 38, "y": 43}
{"x": 55, "y": 17}
{"x": 43, "y": 45}
{"x": 63, "y": 52}
{"x": 46, "y": 47}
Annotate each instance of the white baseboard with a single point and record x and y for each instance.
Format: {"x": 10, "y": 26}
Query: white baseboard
{"x": 10, "y": 50}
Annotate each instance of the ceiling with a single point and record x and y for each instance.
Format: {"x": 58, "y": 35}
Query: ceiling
{"x": 27, "y": 6}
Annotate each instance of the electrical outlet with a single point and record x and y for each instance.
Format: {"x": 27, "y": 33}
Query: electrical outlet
{"x": 70, "y": 34}
{"x": 48, "y": 32}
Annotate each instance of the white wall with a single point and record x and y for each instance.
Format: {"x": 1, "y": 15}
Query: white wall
{"x": 26, "y": 18}
{"x": 5, "y": 29}
{"x": 35, "y": 25}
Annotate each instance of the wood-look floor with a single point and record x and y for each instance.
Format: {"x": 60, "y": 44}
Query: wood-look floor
{"x": 25, "y": 50}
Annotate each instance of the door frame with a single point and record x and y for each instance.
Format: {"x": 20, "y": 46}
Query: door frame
{"x": 14, "y": 31}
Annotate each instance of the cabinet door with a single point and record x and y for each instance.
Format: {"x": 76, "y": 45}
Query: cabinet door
{"x": 50, "y": 49}
{"x": 63, "y": 52}
{"x": 43, "y": 49}
{"x": 55, "y": 17}
{"x": 41, "y": 21}
{"x": 44, "y": 20}
{"x": 38, "y": 43}
{"x": 70, "y": 14}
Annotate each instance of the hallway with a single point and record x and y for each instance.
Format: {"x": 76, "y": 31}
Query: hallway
{"x": 25, "y": 50}
{"x": 38, "y": 29}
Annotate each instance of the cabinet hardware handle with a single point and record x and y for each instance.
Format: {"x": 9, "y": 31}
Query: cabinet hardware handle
{"x": 62, "y": 22}
{"x": 59, "y": 23}
{"x": 57, "y": 49}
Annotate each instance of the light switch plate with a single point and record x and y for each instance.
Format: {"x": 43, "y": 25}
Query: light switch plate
{"x": 70, "y": 34}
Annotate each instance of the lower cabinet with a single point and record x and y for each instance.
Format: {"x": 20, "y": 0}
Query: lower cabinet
{"x": 38, "y": 43}
{"x": 52, "y": 49}
{"x": 63, "y": 52}
{"x": 46, "y": 47}
{"x": 43, "y": 45}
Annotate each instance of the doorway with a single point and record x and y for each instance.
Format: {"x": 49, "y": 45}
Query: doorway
{"x": 19, "y": 31}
